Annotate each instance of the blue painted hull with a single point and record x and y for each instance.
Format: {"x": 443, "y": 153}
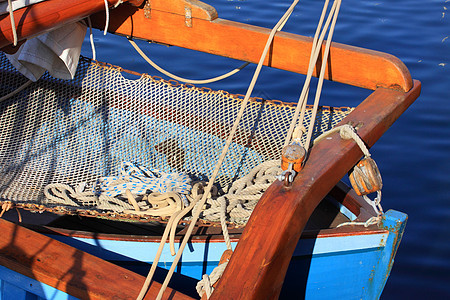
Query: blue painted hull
{"x": 15, "y": 286}
{"x": 332, "y": 266}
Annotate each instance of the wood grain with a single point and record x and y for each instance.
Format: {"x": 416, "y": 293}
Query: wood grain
{"x": 45, "y": 16}
{"x": 258, "y": 266}
{"x": 68, "y": 269}
{"x": 347, "y": 64}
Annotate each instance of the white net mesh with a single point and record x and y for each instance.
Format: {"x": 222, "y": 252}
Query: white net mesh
{"x": 76, "y": 131}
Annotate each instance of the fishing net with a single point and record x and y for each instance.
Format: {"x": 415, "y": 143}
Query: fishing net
{"x": 77, "y": 131}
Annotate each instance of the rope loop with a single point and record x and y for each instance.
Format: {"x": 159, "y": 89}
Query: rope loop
{"x": 349, "y": 132}
{"x": 206, "y": 284}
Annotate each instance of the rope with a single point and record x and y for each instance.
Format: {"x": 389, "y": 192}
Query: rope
{"x": 139, "y": 180}
{"x": 348, "y": 132}
{"x": 333, "y": 12}
{"x": 13, "y": 23}
{"x": 169, "y": 192}
{"x": 376, "y": 203}
{"x": 107, "y": 17}
{"x": 196, "y": 213}
{"x": 243, "y": 196}
{"x": 170, "y": 228}
{"x": 5, "y": 207}
{"x": 204, "y": 81}
{"x": 206, "y": 284}
{"x": 369, "y": 222}
{"x": 315, "y": 51}
{"x": 91, "y": 39}
{"x": 223, "y": 223}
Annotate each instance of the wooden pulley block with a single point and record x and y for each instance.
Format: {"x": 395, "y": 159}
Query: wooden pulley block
{"x": 292, "y": 154}
{"x": 365, "y": 177}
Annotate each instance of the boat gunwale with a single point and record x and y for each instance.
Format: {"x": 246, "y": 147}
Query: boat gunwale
{"x": 270, "y": 249}
{"x": 202, "y": 238}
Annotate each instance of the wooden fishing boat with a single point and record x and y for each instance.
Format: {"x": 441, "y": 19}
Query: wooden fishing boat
{"x": 278, "y": 252}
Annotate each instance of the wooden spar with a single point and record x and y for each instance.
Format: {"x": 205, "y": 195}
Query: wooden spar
{"x": 72, "y": 271}
{"x": 194, "y": 25}
{"x": 270, "y": 237}
{"x": 45, "y": 16}
{"x": 167, "y": 22}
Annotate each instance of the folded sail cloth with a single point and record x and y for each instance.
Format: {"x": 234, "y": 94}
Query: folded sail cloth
{"x": 57, "y": 51}
{"x": 16, "y": 4}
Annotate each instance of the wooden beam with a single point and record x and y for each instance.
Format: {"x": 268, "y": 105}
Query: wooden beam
{"x": 351, "y": 65}
{"x": 188, "y": 8}
{"x": 258, "y": 266}
{"x": 45, "y": 16}
{"x": 68, "y": 269}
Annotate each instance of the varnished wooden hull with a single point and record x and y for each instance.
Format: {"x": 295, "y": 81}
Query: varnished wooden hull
{"x": 352, "y": 262}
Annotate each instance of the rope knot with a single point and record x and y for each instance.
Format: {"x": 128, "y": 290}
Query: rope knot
{"x": 347, "y": 132}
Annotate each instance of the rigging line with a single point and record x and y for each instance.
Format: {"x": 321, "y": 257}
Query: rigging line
{"x": 315, "y": 51}
{"x": 208, "y": 188}
{"x": 107, "y": 17}
{"x": 303, "y": 99}
{"x": 335, "y": 12}
{"x": 13, "y": 23}
{"x": 91, "y": 39}
{"x": 204, "y": 81}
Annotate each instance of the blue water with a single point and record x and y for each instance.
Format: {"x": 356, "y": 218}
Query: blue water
{"x": 412, "y": 155}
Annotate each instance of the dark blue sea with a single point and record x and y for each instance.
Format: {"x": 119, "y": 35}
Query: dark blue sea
{"x": 413, "y": 156}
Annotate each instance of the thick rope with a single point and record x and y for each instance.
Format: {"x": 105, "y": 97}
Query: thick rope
{"x": 243, "y": 195}
{"x": 139, "y": 179}
{"x": 203, "y": 81}
{"x": 148, "y": 280}
{"x": 170, "y": 227}
{"x": 346, "y": 132}
{"x": 244, "y": 103}
{"x": 169, "y": 192}
{"x": 206, "y": 284}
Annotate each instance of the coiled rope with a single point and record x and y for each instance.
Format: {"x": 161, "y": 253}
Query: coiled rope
{"x": 196, "y": 212}
{"x": 243, "y": 195}
{"x": 169, "y": 191}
